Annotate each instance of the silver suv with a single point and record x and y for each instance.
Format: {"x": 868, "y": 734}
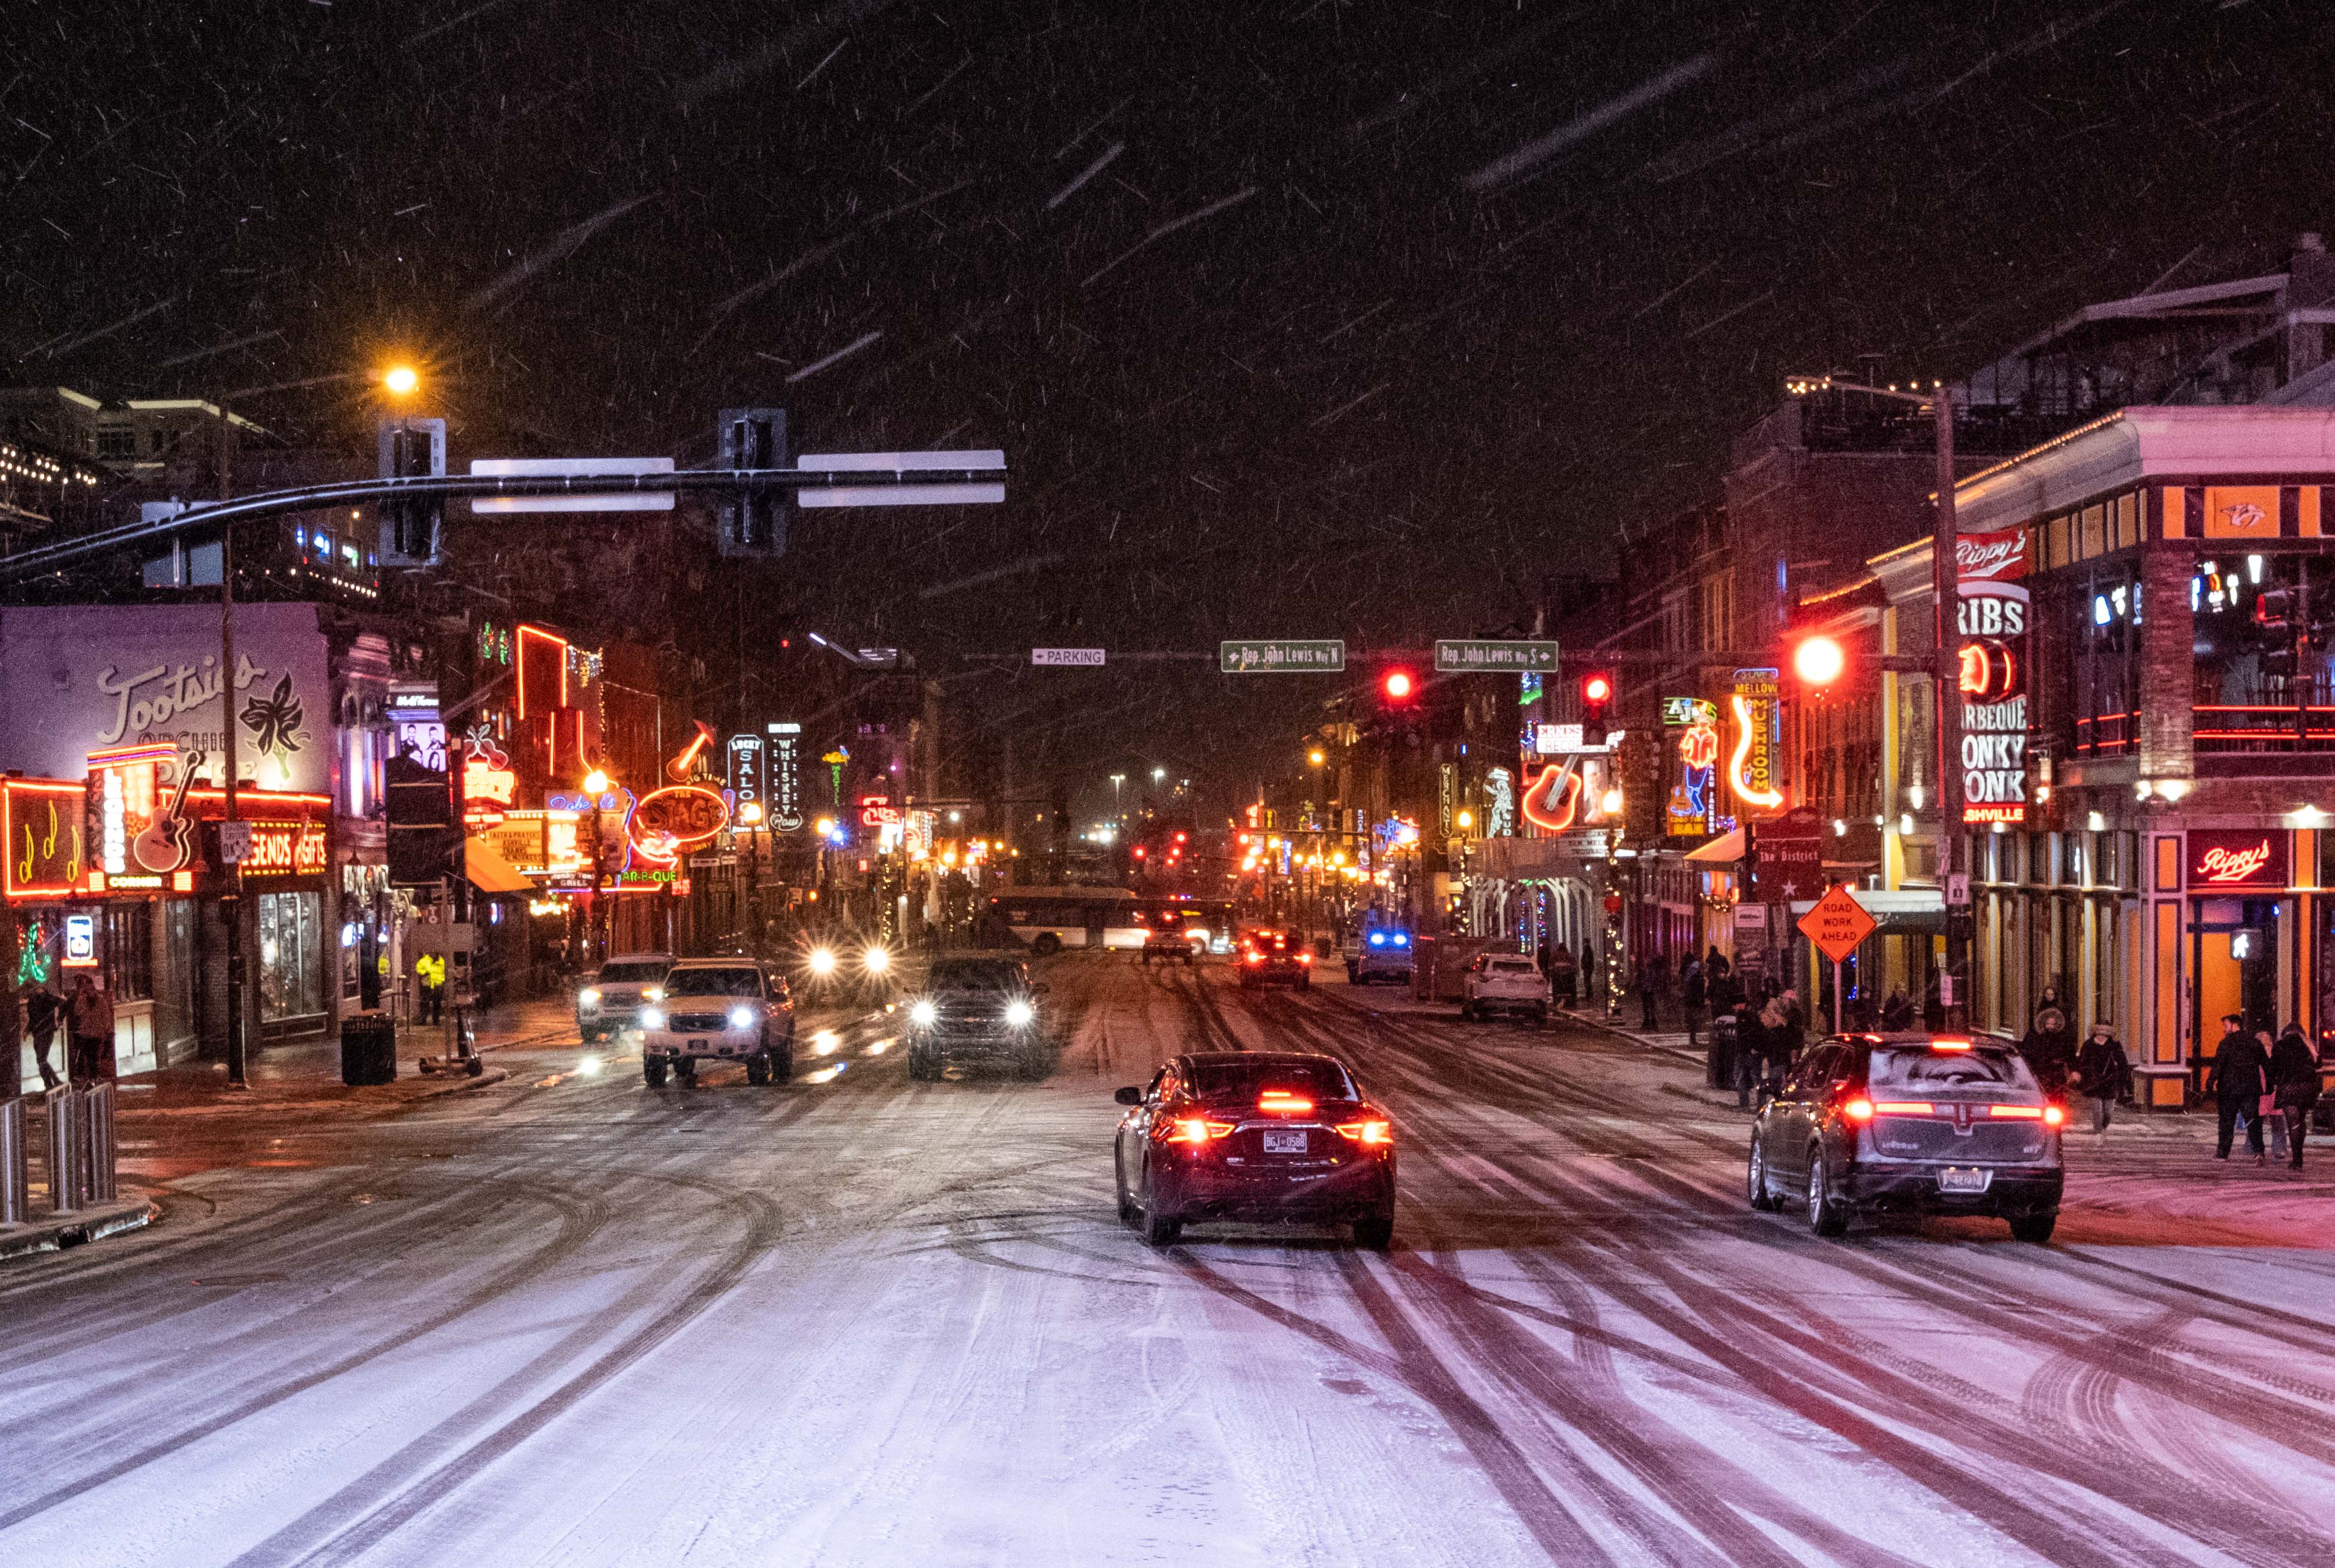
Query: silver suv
{"x": 718, "y": 1009}
{"x": 609, "y": 1001}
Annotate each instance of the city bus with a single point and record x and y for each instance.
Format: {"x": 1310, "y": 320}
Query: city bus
{"x": 1052, "y": 918}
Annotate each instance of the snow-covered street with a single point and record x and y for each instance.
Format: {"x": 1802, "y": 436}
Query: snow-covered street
{"x": 568, "y": 1319}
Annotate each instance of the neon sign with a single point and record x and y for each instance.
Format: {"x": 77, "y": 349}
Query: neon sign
{"x": 1553, "y": 799}
{"x": 43, "y": 823}
{"x": 286, "y": 849}
{"x": 669, "y": 821}
{"x": 1694, "y": 799}
{"x": 2226, "y": 858}
{"x": 1751, "y": 769}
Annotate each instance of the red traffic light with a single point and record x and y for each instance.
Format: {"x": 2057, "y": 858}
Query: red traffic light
{"x": 1398, "y": 685}
{"x": 1597, "y": 689}
{"x": 1819, "y": 661}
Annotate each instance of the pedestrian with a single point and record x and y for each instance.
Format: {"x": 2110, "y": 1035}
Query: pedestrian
{"x": 2239, "y": 1083}
{"x": 89, "y": 1050}
{"x": 1564, "y": 975}
{"x": 2294, "y": 1080}
{"x": 2049, "y": 1048}
{"x": 1897, "y": 1012}
{"x": 1934, "y": 1004}
{"x": 1648, "y": 977}
{"x": 1751, "y": 1053}
{"x": 2104, "y": 1073}
{"x": 41, "y": 1009}
{"x": 430, "y": 978}
{"x": 1782, "y": 1030}
{"x": 1694, "y": 993}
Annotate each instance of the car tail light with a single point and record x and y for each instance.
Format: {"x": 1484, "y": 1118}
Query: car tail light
{"x": 1193, "y": 1130}
{"x": 1950, "y": 1045}
{"x": 2053, "y": 1116}
{"x": 1858, "y": 1109}
{"x": 1254, "y": 957}
{"x": 1903, "y": 1107}
{"x": 1374, "y": 1133}
{"x": 1280, "y": 1102}
{"x": 2022, "y": 1112}
{"x": 1304, "y": 958}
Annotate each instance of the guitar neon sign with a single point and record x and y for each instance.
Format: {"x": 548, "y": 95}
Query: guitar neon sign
{"x": 1562, "y": 784}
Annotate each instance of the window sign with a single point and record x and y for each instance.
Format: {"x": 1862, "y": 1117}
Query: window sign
{"x": 80, "y": 941}
{"x": 2237, "y": 857}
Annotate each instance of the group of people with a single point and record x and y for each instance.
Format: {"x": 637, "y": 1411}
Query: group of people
{"x": 2098, "y": 1069}
{"x": 85, "y": 1014}
{"x": 2262, "y": 1087}
{"x": 1771, "y": 1026}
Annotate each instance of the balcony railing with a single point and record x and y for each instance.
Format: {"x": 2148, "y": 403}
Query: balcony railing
{"x": 2221, "y": 728}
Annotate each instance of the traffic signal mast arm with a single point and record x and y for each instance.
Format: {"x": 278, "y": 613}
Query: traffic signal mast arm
{"x": 977, "y": 470}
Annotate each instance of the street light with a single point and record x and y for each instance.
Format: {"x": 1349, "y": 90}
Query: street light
{"x": 400, "y": 380}
{"x": 595, "y": 785}
{"x": 1158, "y": 775}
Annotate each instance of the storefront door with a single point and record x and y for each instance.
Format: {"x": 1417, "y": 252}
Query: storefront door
{"x": 2234, "y": 953}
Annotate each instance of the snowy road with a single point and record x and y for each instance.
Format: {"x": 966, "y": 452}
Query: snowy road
{"x": 570, "y": 1321}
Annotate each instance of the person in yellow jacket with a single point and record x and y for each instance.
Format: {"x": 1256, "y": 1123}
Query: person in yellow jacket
{"x": 430, "y": 974}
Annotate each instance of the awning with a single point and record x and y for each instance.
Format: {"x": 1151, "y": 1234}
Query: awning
{"x": 489, "y": 871}
{"x": 1727, "y": 846}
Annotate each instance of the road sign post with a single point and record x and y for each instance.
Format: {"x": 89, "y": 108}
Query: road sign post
{"x": 1480, "y": 656}
{"x": 1835, "y": 925}
{"x": 1282, "y": 656}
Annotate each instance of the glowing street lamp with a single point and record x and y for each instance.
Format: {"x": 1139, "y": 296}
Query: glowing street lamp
{"x": 401, "y": 381}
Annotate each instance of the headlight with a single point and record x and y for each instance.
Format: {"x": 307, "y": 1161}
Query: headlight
{"x": 822, "y": 961}
{"x": 1019, "y": 1014}
{"x": 651, "y": 1018}
{"x": 588, "y": 998}
{"x": 742, "y": 1018}
{"x": 653, "y": 994}
{"x": 876, "y": 959}
{"x": 926, "y": 1014}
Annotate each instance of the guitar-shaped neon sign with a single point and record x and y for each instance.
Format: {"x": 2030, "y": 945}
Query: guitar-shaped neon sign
{"x": 1561, "y": 786}
{"x": 166, "y": 843}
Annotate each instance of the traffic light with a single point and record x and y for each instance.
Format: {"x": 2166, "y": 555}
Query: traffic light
{"x": 1818, "y": 661}
{"x": 2279, "y": 617}
{"x": 753, "y": 522}
{"x": 420, "y": 834}
{"x": 1399, "y": 686}
{"x": 1596, "y": 697}
{"x": 412, "y": 527}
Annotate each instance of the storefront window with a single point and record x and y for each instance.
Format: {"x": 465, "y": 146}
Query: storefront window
{"x": 127, "y": 949}
{"x": 2325, "y": 988}
{"x": 291, "y": 955}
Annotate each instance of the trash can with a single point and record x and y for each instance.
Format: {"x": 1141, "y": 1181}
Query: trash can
{"x": 1722, "y": 1051}
{"x": 368, "y": 1049}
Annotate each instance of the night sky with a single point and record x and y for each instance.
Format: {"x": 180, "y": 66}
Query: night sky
{"x": 1305, "y": 318}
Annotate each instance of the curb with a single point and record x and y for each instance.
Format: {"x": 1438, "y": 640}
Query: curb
{"x": 463, "y": 1085}
{"x": 62, "y": 1231}
{"x": 1636, "y": 1039}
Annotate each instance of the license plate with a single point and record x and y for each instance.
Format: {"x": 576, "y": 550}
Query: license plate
{"x": 696, "y": 1045}
{"x": 1951, "y": 1180}
{"x": 1285, "y": 1143}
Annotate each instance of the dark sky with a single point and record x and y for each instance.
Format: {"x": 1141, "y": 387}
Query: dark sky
{"x": 1298, "y": 318}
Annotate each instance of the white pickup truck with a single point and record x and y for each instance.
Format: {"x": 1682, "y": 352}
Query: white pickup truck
{"x": 1504, "y": 982}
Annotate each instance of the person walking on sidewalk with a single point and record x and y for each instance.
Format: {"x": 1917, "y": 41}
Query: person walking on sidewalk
{"x": 1751, "y": 1053}
{"x": 2294, "y": 1079}
{"x": 2238, "y": 1081}
{"x": 89, "y": 1054}
{"x": 1694, "y": 991}
{"x": 2049, "y": 1048}
{"x": 42, "y": 1008}
{"x": 2104, "y": 1073}
{"x": 1649, "y": 979}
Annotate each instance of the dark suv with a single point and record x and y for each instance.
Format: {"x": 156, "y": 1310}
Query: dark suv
{"x": 980, "y": 1012}
{"x": 1910, "y": 1124}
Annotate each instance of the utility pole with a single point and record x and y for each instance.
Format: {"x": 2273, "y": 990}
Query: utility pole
{"x": 233, "y": 902}
{"x": 1945, "y": 579}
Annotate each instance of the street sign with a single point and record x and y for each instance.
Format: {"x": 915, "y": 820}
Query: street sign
{"x": 1958, "y": 890}
{"x": 1282, "y": 657}
{"x": 606, "y": 501}
{"x": 235, "y": 841}
{"x": 1838, "y": 924}
{"x": 1469, "y": 655}
{"x": 1787, "y": 856}
{"x": 1067, "y": 658}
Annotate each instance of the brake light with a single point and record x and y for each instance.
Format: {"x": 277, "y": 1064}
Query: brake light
{"x": 2053, "y": 1116}
{"x": 1254, "y": 956}
{"x": 1858, "y": 1109}
{"x": 1194, "y": 1130}
{"x": 2022, "y": 1112}
{"x": 1950, "y": 1045}
{"x": 1903, "y": 1107}
{"x": 1304, "y": 958}
{"x": 1374, "y": 1133}
{"x": 1280, "y": 1102}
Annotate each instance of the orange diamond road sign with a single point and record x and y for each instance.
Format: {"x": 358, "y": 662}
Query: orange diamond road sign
{"x": 1838, "y": 924}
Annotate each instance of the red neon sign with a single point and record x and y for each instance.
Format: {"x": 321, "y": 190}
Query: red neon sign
{"x": 667, "y": 822}
{"x": 1554, "y": 799}
{"x": 2228, "y": 858}
{"x": 43, "y": 823}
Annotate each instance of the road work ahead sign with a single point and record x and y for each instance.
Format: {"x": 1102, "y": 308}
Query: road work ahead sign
{"x": 1838, "y": 924}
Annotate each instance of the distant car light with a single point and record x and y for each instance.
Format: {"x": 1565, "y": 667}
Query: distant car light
{"x": 925, "y": 1014}
{"x": 653, "y": 994}
{"x": 1378, "y": 939}
{"x": 1401, "y": 940}
{"x": 822, "y": 961}
{"x": 1019, "y": 1014}
{"x": 742, "y": 1018}
{"x": 876, "y": 959}
{"x": 588, "y": 998}
{"x": 651, "y": 1018}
